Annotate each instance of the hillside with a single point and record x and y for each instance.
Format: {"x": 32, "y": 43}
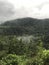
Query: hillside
{"x": 25, "y": 26}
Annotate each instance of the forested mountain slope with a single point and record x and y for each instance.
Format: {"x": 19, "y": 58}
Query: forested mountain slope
{"x": 25, "y": 26}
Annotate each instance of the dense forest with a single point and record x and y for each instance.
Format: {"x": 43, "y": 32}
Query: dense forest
{"x": 24, "y": 42}
{"x": 27, "y": 26}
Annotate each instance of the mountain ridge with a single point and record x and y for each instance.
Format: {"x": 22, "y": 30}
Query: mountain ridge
{"x": 26, "y": 26}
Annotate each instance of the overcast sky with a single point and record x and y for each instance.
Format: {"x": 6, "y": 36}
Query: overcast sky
{"x": 10, "y": 9}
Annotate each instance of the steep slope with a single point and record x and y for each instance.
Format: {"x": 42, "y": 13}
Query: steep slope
{"x": 25, "y": 26}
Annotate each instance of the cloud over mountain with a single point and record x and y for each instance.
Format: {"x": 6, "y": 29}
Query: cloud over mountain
{"x": 13, "y": 9}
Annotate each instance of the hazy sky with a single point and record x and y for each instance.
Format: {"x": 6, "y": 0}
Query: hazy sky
{"x": 10, "y": 9}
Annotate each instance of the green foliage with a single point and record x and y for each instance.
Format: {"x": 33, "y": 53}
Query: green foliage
{"x": 17, "y": 52}
{"x": 46, "y": 41}
{"x": 9, "y": 60}
{"x": 25, "y": 26}
{"x": 13, "y": 59}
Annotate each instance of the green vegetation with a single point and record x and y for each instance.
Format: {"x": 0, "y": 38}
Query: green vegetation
{"x": 29, "y": 26}
{"x": 17, "y": 52}
{"x": 30, "y": 50}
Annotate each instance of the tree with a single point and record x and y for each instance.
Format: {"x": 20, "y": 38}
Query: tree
{"x": 9, "y": 60}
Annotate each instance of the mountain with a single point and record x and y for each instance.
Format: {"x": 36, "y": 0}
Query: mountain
{"x": 27, "y": 26}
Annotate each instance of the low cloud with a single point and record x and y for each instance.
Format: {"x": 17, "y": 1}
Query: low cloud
{"x": 12, "y": 9}
{"x": 6, "y": 10}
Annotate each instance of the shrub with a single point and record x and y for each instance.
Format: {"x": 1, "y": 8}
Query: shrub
{"x": 9, "y": 60}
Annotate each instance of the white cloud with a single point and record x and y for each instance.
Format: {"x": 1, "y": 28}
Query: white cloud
{"x": 35, "y": 8}
{"x": 6, "y": 10}
{"x": 10, "y": 9}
